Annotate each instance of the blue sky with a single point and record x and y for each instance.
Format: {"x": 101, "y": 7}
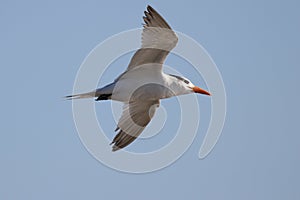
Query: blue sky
{"x": 255, "y": 44}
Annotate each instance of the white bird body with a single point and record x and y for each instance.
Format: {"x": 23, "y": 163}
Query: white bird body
{"x": 144, "y": 83}
{"x": 155, "y": 86}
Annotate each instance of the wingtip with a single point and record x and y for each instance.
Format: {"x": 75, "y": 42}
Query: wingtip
{"x": 149, "y": 8}
{"x": 115, "y": 148}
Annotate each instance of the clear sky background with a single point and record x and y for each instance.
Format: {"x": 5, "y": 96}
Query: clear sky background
{"x": 256, "y": 46}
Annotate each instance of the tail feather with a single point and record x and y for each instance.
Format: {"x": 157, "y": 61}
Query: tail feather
{"x": 101, "y": 93}
{"x": 81, "y": 96}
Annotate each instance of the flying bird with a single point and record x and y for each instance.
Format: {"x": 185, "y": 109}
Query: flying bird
{"x": 144, "y": 83}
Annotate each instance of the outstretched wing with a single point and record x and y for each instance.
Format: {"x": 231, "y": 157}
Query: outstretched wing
{"x": 135, "y": 117}
{"x": 158, "y": 39}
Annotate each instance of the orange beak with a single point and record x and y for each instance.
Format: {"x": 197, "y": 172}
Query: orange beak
{"x": 200, "y": 90}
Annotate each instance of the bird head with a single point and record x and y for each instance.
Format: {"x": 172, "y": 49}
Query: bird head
{"x": 189, "y": 86}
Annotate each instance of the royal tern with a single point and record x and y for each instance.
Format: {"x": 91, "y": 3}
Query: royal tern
{"x": 144, "y": 83}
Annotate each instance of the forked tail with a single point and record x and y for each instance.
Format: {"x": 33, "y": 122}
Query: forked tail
{"x": 100, "y": 93}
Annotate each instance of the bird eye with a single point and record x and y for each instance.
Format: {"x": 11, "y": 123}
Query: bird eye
{"x": 186, "y": 81}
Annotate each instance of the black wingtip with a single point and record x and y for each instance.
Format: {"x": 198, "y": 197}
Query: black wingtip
{"x": 149, "y": 7}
